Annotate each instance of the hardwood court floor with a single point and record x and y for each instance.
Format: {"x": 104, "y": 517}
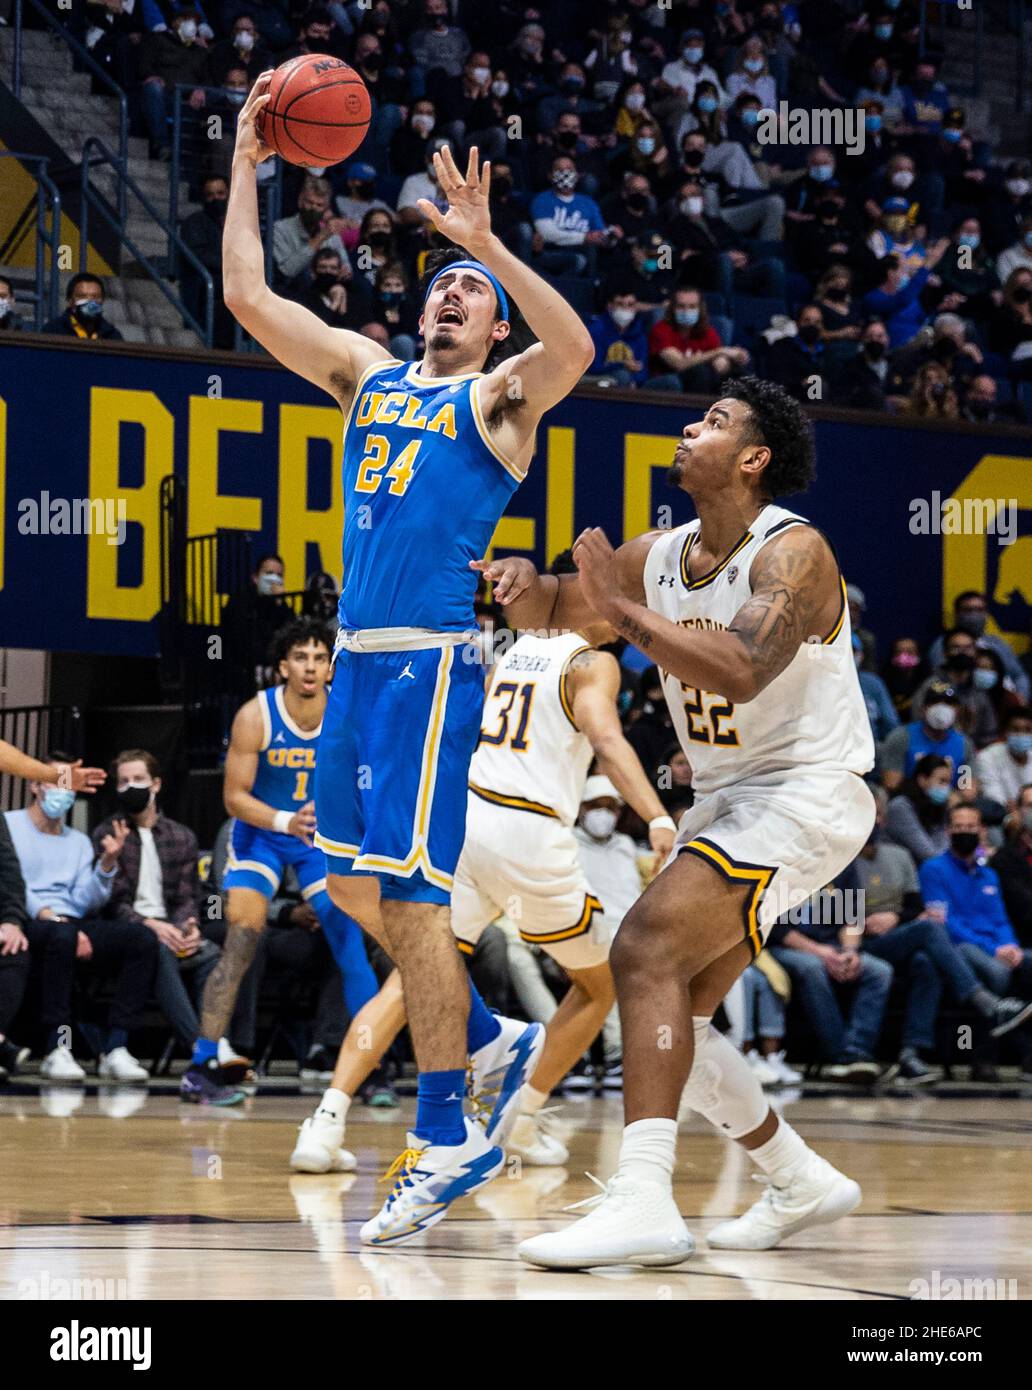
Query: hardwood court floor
{"x": 187, "y": 1203}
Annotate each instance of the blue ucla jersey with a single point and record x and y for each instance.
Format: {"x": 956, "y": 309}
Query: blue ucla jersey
{"x": 424, "y": 488}
{"x": 286, "y": 761}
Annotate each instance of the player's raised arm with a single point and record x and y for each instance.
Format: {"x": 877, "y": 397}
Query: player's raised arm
{"x": 71, "y": 775}
{"x": 241, "y": 769}
{"x": 333, "y": 358}
{"x": 530, "y": 382}
{"x": 795, "y": 594}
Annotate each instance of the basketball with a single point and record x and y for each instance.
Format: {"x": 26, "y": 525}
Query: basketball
{"x": 318, "y": 112}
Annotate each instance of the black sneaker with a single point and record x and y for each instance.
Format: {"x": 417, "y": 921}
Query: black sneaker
{"x": 863, "y": 1070}
{"x": 12, "y": 1058}
{"x": 318, "y": 1065}
{"x": 913, "y": 1071}
{"x": 203, "y": 1085}
{"x": 1008, "y": 1014}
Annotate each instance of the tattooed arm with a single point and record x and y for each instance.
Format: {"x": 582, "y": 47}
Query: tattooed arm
{"x": 795, "y": 595}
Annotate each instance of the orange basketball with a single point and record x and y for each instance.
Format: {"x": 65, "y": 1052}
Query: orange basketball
{"x": 318, "y": 112}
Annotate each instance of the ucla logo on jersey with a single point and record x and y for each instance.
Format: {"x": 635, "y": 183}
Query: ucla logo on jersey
{"x": 292, "y": 757}
{"x": 404, "y": 409}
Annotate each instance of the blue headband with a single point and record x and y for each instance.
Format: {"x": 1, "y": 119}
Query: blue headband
{"x": 503, "y": 303}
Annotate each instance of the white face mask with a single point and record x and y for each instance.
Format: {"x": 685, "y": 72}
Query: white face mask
{"x": 940, "y": 717}
{"x": 1018, "y": 187}
{"x": 500, "y": 88}
{"x": 481, "y": 75}
{"x": 188, "y": 30}
{"x": 244, "y": 40}
{"x": 5, "y": 308}
{"x": 622, "y": 317}
{"x": 423, "y": 125}
{"x": 902, "y": 178}
{"x": 635, "y": 101}
{"x": 599, "y": 822}
{"x": 691, "y": 207}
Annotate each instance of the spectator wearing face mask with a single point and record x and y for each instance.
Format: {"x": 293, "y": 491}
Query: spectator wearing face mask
{"x": 811, "y": 191}
{"x": 856, "y": 601}
{"x": 903, "y": 673}
{"x": 410, "y": 147}
{"x": 878, "y": 83}
{"x": 864, "y": 379}
{"x": 976, "y": 715}
{"x": 314, "y": 226}
{"x": 916, "y": 818}
{"x": 932, "y": 396}
{"x": 880, "y": 709}
{"x": 981, "y": 404}
{"x": 464, "y": 105}
{"x": 925, "y": 100}
{"x": 422, "y": 185}
{"x": 438, "y": 45}
{"x": 250, "y": 620}
{"x": 340, "y": 300}
{"x": 897, "y": 299}
{"x": 632, "y": 208}
{"x": 568, "y": 225}
{"x": 632, "y": 110}
{"x": 895, "y": 237}
{"x": 320, "y": 597}
{"x": 316, "y": 33}
{"x": 10, "y": 321}
{"x": 176, "y": 56}
{"x": 880, "y": 144}
{"x": 711, "y": 254}
{"x": 933, "y": 730}
{"x": 991, "y": 678}
{"x": 243, "y": 49}
{"x": 685, "y": 350}
{"x": 875, "y": 44}
{"x": 1013, "y": 864}
{"x": 84, "y": 315}
{"x": 752, "y": 74}
{"x": 683, "y": 74}
{"x": 1008, "y": 202}
{"x": 156, "y": 885}
{"x": 1010, "y": 326}
{"x": 971, "y": 614}
{"x": 202, "y": 232}
{"x": 830, "y": 240}
{"x": 394, "y": 307}
{"x": 66, "y": 891}
{"x": 799, "y": 362}
{"x": 621, "y": 342}
{"x": 14, "y": 952}
{"x": 1017, "y": 256}
{"x": 898, "y": 179}
{"x": 568, "y": 139}
{"x": 650, "y": 730}
{"x": 611, "y": 61}
{"x": 955, "y": 161}
{"x": 510, "y": 213}
{"x": 359, "y": 200}
{"x": 1004, "y": 768}
{"x": 833, "y": 295}
{"x": 967, "y": 272}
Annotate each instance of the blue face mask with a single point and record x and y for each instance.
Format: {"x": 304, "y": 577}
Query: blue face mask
{"x": 707, "y": 104}
{"x": 938, "y": 795}
{"x": 89, "y": 308}
{"x": 57, "y": 802}
{"x": 1028, "y": 239}
{"x": 952, "y": 135}
{"x": 892, "y": 4}
{"x": 750, "y": 117}
{"x": 822, "y": 173}
{"x": 972, "y": 239}
{"x": 883, "y": 31}
{"x": 984, "y": 679}
{"x": 1019, "y": 744}
{"x": 692, "y": 55}
{"x": 687, "y": 318}
{"x": 650, "y": 265}
{"x": 647, "y": 145}
{"x": 873, "y": 122}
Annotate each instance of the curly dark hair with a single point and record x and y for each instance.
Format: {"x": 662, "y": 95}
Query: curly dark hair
{"x": 779, "y": 421}
{"x": 298, "y": 634}
{"x": 520, "y": 337}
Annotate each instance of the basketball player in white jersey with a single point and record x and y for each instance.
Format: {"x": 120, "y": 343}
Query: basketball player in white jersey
{"x": 744, "y": 613}
{"x": 551, "y": 708}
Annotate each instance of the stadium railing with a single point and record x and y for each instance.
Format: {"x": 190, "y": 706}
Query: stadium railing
{"x": 82, "y": 55}
{"x": 45, "y": 285}
{"x": 37, "y": 730}
{"x": 95, "y": 154}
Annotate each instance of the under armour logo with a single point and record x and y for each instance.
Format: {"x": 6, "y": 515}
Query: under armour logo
{"x": 666, "y": 579}
{"x": 407, "y": 672}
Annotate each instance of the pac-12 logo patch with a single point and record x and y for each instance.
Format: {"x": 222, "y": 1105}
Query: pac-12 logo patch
{"x": 732, "y": 574}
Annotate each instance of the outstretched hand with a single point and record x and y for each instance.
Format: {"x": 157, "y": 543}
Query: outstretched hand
{"x": 248, "y": 142}
{"x": 467, "y": 220}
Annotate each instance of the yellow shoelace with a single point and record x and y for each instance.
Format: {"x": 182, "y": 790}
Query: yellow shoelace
{"x": 402, "y": 1167}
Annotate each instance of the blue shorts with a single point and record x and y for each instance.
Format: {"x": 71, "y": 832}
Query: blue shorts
{"x": 257, "y": 859}
{"x": 390, "y": 777}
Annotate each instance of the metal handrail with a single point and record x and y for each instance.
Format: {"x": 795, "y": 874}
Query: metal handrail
{"x": 92, "y": 198}
{"x": 44, "y": 186}
{"x": 89, "y": 62}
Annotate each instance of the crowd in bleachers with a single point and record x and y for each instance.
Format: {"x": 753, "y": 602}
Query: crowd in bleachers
{"x": 930, "y": 926}
{"x": 631, "y": 167}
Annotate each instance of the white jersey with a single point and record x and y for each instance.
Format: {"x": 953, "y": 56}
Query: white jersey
{"x": 811, "y": 715}
{"x": 531, "y": 755}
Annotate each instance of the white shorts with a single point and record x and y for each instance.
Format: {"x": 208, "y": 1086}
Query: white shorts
{"x": 527, "y": 866}
{"x": 787, "y": 834}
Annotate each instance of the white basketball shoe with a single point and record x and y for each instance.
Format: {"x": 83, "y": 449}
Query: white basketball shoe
{"x": 320, "y": 1146}
{"x": 633, "y": 1223}
{"x": 816, "y": 1196}
{"x": 497, "y": 1073}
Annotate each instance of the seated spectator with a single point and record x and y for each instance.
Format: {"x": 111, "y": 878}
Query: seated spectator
{"x": 410, "y": 144}
{"x": 734, "y": 189}
{"x": 949, "y": 348}
{"x": 1010, "y": 326}
{"x": 333, "y": 295}
{"x": 1004, "y": 769}
{"x": 898, "y": 179}
{"x": 156, "y": 885}
{"x": 968, "y": 890}
{"x": 765, "y": 988}
{"x": 395, "y": 308}
{"x": 967, "y": 272}
{"x": 510, "y": 213}
{"x": 10, "y": 321}
{"x": 359, "y": 200}
{"x": 991, "y": 678}
{"x": 176, "y": 56}
{"x": 632, "y": 208}
{"x": 621, "y": 344}
{"x": 712, "y": 255}
{"x": 880, "y": 709}
{"x": 1017, "y": 256}
{"x": 568, "y": 224}
{"x": 567, "y": 138}
{"x": 683, "y": 74}
{"x": 685, "y": 350}
{"x": 1008, "y": 203}
{"x": 570, "y": 100}
{"x": 202, "y": 233}
{"x": 807, "y": 193}
{"x": 243, "y": 49}
{"x": 916, "y": 818}
{"x": 528, "y": 69}
{"x": 752, "y": 74}
{"x": 611, "y": 61}
{"x": 250, "y": 620}
{"x": 799, "y": 362}
{"x": 856, "y": 601}
{"x": 421, "y": 185}
{"x": 975, "y": 715}
{"x": 955, "y": 161}
{"x": 1013, "y": 865}
{"x": 465, "y": 108}
{"x": 650, "y": 272}
{"x": 321, "y": 597}
{"x": 895, "y": 236}
{"x": 932, "y": 730}
{"x": 896, "y": 300}
{"x": 438, "y": 45}
{"x": 904, "y": 671}
{"x": 632, "y": 110}
{"x": 830, "y": 238}
{"x": 295, "y": 240}
{"x": 65, "y": 892}
{"x": 646, "y": 154}
{"x": 925, "y": 99}
{"x": 14, "y": 952}
{"x": 863, "y": 379}
{"x": 830, "y": 976}
{"x": 841, "y": 314}
{"x": 981, "y": 405}
{"x": 879, "y": 84}
{"x": 932, "y": 397}
{"x": 84, "y": 312}
{"x": 971, "y": 614}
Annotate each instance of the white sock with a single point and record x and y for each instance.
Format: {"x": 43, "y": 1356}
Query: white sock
{"x": 336, "y": 1103}
{"x": 783, "y": 1156}
{"x": 226, "y": 1051}
{"x": 647, "y": 1151}
{"x": 531, "y": 1101}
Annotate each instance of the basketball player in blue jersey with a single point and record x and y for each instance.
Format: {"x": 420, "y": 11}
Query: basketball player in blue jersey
{"x": 270, "y": 771}
{"x": 433, "y": 450}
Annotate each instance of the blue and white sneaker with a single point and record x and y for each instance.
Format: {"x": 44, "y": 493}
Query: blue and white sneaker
{"x": 498, "y": 1071}
{"x": 427, "y": 1179}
